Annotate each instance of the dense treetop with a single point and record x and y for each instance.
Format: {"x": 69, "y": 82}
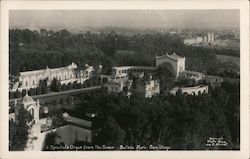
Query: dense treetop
{"x": 181, "y": 121}
{"x": 31, "y": 50}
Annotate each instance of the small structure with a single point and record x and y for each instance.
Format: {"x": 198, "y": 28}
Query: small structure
{"x": 148, "y": 88}
{"x": 32, "y": 107}
{"x": 85, "y": 74}
{"x": 208, "y": 38}
{"x": 117, "y": 85}
{"x": 124, "y": 71}
{"x": 214, "y": 81}
{"x": 197, "y": 76}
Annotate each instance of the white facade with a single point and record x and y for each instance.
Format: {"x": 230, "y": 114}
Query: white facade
{"x": 147, "y": 88}
{"x": 122, "y": 72}
{"x": 210, "y": 37}
{"x": 65, "y": 75}
{"x": 152, "y": 87}
{"x": 114, "y": 87}
{"x": 85, "y": 74}
{"x": 177, "y": 62}
{"x": 192, "y": 75}
{"x": 30, "y": 79}
{"x": 196, "y": 90}
{"x": 199, "y": 39}
{"x": 190, "y": 41}
{"x": 205, "y": 39}
{"x": 117, "y": 85}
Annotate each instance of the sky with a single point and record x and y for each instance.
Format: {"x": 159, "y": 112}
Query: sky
{"x": 77, "y": 19}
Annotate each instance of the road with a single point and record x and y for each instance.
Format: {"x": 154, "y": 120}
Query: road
{"x": 75, "y": 91}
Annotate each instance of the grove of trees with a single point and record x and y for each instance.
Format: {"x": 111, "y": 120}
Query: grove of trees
{"x": 18, "y": 130}
{"x": 31, "y": 50}
{"x": 181, "y": 121}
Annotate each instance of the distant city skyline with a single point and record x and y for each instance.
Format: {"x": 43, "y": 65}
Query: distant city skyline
{"x": 144, "y": 19}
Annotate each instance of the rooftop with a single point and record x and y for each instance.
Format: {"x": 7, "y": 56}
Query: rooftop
{"x": 28, "y": 99}
{"x": 77, "y": 121}
{"x": 71, "y": 66}
{"x": 172, "y": 56}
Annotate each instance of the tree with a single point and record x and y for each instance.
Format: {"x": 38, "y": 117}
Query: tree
{"x": 74, "y": 85}
{"x": 69, "y": 86}
{"x": 111, "y": 133}
{"x": 24, "y": 92}
{"x": 17, "y": 94}
{"x": 18, "y": 131}
{"x": 105, "y": 80}
{"x": 38, "y": 90}
{"x": 57, "y": 120}
{"x": 87, "y": 83}
{"x": 43, "y": 86}
{"x": 79, "y": 86}
{"x": 166, "y": 76}
{"x": 32, "y": 91}
{"x": 49, "y": 140}
{"x": 125, "y": 89}
{"x": 64, "y": 87}
{"x": 11, "y": 95}
{"x": 55, "y": 85}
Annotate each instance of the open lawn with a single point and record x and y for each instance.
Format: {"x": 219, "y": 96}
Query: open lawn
{"x": 225, "y": 58}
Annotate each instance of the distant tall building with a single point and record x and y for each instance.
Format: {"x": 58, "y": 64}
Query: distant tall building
{"x": 193, "y": 41}
{"x": 210, "y": 37}
{"x": 205, "y": 39}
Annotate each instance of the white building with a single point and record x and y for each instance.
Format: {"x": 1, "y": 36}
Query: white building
{"x": 117, "y": 85}
{"x": 124, "y": 71}
{"x": 205, "y": 39}
{"x": 214, "y": 81}
{"x": 152, "y": 87}
{"x": 31, "y": 79}
{"x": 85, "y": 74}
{"x": 199, "y": 39}
{"x": 197, "y": 76}
{"x": 190, "y": 41}
{"x": 65, "y": 75}
{"x": 80, "y": 128}
{"x": 147, "y": 88}
{"x": 176, "y": 62}
{"x": 210, "y": 37}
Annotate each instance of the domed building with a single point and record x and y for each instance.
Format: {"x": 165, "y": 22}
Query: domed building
{"x": 32, "y": 106}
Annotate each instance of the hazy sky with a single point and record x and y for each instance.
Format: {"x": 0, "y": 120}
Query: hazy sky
{"x": 77, "y": 19}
